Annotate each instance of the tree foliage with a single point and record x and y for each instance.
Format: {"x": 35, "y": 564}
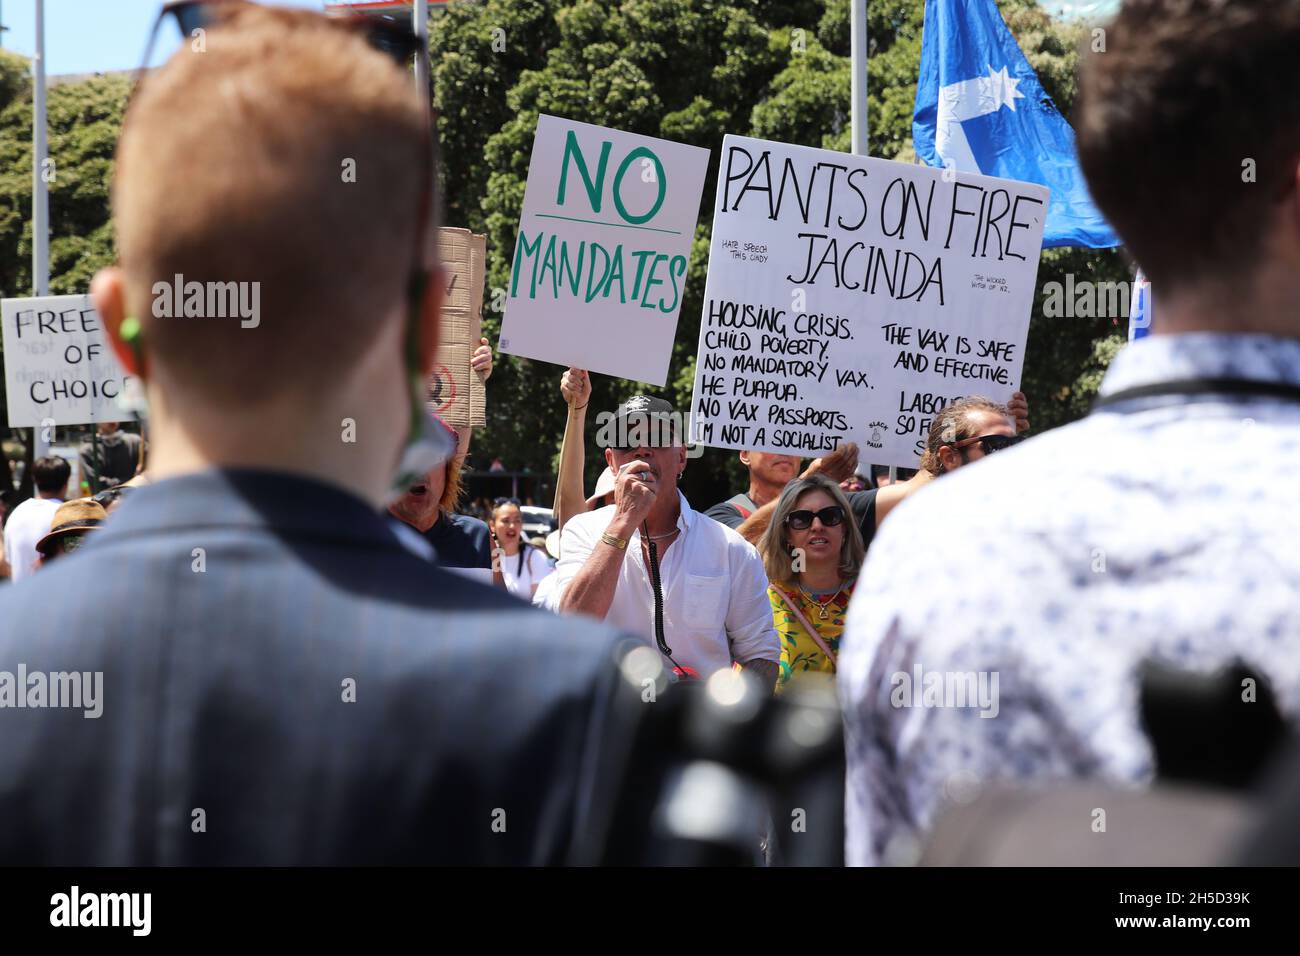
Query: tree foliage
{"x": 686, "y": 70}
{"x": 692, "y": 71}
{"x": 83, "y": 121}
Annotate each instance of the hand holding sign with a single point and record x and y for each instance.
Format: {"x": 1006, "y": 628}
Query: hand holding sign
{"x": 1019, "y": 406}
{"x": 837, "y": 466}
{"x": 575, "y": 386}
{"x": 481, "y": 360}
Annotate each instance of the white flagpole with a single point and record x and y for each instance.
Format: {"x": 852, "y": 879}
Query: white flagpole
{"x": 858, "y": 93}
{"x": 40, "y": 196}
{"x": 422, "y": 59}
{"x": 858, "y": 87}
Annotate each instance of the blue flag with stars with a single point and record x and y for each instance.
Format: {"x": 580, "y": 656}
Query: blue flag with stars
{"x": 980, "y": 109}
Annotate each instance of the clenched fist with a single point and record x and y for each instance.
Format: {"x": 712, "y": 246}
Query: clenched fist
{"x": 635, "y": 488}
{"x": 575, "y": 386}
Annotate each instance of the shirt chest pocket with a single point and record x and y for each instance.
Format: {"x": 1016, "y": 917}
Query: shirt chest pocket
{"x": 704, "y": 602}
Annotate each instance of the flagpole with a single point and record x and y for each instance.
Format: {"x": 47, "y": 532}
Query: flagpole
{"x": 858, "y": 87}
{"x": 40, "y": 195}
{"x": 858, "y": 93}
{"x": 421, "y": 16}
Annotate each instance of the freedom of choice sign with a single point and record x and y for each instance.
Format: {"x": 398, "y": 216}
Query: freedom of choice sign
{"x": 850, "y": 299}
{"x": 604, "y": 239}
{"x": 58, "y": 365}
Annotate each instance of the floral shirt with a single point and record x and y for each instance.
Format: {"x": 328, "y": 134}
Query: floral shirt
{"x": 1161, "y": 528}
{"x": 799, "y": 652}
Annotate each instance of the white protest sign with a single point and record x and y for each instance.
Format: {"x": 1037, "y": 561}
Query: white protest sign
{"x": 850, "y": 299}
{"x": 59, "y": 367}
{"x": 604, "y": 240}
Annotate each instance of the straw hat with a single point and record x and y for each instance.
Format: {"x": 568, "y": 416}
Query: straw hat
{"x": 73, "y": 517}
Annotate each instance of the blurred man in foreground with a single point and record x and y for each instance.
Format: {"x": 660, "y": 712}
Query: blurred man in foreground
{"x": 282, "y": 682}
{"x": 1008, "y": 649}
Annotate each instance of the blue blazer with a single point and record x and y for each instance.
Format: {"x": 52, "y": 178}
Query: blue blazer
{"x": 284, "y": 683}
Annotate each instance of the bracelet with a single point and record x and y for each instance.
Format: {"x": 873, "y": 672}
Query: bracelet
{"x": 614, "y": 541}
{"x": 578, "y": 408}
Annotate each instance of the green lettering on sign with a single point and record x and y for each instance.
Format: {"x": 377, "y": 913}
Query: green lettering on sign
{"x": 618, "y": 182}
{"x": 594, "y": 189}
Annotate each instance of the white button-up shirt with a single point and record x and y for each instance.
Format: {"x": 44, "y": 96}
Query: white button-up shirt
{"x": 1161, "y": 528}
{"x": 715, "y": 590}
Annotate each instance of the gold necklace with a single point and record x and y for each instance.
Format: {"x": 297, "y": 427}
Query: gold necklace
{"x": 822, "y": 606}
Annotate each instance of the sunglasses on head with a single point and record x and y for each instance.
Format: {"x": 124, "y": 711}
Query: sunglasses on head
{"x": 989, "y": 443}
{"x": 389, "y": 37}
{"x": 505, "y": 501}
{"x": 802, "y": 520}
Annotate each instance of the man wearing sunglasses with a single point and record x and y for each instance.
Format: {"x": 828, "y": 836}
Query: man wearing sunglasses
{"x": 275, "y": 656}
{"x": 1160, "y": 527}
{"x": 967, "y": 430}
{"x": 750, "y": 512}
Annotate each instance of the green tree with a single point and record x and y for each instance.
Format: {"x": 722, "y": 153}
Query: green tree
{"x": 83, "y": 121}
{"x": 693, "y": 71}
{"x": 686, "y": 70}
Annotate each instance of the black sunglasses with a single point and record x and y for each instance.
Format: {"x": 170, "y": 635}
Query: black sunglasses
{"x": 506, "y": 501}
{"x": 990, "y": 443}
{"x": 802, "y": 520}
{"x": 385, "y": 35}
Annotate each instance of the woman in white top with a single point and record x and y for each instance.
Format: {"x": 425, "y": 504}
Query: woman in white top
{"x": 522, "y": 565}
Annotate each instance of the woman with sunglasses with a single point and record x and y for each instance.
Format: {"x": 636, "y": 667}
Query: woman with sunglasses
{"x": 521, "y": 565}
{"x": 812, "y": 551}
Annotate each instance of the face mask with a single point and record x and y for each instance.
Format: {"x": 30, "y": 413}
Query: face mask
{"x": 427, "y": 443}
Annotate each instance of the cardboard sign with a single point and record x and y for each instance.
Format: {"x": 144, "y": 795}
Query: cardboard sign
{"x": 456, "y": 392}
{"x": 850, "y": 299}
{"x": 604, "y": 240}
{"x": 59, "y": 369}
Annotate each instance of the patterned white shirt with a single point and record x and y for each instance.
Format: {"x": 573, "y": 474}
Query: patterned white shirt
{"x": 1162, "y": 528}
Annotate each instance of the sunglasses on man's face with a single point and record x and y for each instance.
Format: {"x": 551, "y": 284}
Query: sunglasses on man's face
{"x": 990, "y": 443}
{"x": 802, "y": 520}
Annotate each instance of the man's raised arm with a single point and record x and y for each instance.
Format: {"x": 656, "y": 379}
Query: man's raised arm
{"x": 591, "y": 591}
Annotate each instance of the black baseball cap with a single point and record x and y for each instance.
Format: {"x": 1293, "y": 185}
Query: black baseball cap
{"x": 645, "y": 421}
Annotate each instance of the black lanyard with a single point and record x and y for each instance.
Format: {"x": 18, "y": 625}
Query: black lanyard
{"x": 1207, "y": 388}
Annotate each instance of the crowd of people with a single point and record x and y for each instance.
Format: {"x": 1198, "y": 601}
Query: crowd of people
{"x": 291, "y": 629}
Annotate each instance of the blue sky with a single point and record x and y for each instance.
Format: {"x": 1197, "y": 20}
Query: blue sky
{"x": 89, "y": 36}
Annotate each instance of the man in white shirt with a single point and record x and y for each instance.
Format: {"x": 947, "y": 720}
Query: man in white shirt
{"x": 31, "y": 520}
{"x": 715, "y": 609}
